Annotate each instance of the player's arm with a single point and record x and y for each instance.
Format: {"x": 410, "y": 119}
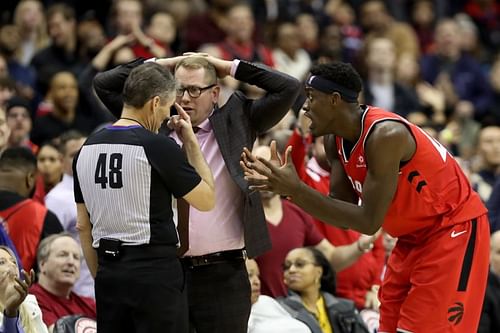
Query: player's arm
{"x": 388, "y": 145}
{"x": 84, "y": 228}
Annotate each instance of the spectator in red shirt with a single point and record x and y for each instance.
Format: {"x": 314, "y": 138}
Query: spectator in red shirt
{"x": 59, "y": 258}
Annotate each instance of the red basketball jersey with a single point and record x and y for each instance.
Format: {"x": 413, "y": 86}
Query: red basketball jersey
{"x": 432, "y": 189}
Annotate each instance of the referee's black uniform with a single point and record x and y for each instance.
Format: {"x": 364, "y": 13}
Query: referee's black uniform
{"x": 126, "y": 177}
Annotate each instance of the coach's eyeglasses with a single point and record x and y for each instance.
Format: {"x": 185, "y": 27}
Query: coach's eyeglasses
{"x": 193, "y": 91}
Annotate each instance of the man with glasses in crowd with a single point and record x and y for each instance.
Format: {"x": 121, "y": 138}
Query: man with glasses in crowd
{"x": 219, "y": 240}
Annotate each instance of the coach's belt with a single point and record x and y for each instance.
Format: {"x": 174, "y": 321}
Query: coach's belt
{"x": 215, "y": 258}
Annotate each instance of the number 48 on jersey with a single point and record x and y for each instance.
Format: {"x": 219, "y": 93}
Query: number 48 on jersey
{"x": 109, "y": 173}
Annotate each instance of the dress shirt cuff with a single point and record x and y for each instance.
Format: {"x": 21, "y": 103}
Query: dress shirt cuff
{"x": 12, "y": 324}
{"x": 234, "y": 66}
{"x": 150, "y": 60}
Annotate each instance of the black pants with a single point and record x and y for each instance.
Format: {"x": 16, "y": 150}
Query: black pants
{"x": 143, "y": 295}
{"x": 219, "y": 297}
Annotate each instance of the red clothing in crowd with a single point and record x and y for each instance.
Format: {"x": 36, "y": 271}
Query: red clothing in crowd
{"x": 24, "y": 224}
{"x": 54, "y": 307}
{"x": 352, "y": 282}
{"x": 296, "y": 229}
{"x": 40, "y": 192}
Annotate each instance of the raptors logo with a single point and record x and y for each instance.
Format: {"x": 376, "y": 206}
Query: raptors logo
{"x": 85, "y": 325}
{"x": 456, "y": 313}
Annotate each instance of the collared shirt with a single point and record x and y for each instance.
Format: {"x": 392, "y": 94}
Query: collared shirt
{"x": 221, "y": 228}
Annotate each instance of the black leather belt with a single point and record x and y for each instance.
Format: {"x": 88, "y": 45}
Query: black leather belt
{"x": 215, "y": 258}
{"x": 112, "y": 249}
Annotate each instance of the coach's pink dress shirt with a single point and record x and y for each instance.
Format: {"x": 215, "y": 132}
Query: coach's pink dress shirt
{"x": 221, "y": 228}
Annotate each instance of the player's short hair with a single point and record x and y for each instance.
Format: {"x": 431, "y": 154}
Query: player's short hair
{"x": 199, "y": 62}
{"x": 17, "y": 158}
{"x": 147, "y": 81}
{"x": 341, "y": 73}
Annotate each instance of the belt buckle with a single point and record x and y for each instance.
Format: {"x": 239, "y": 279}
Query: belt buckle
{"x": 201, "y": 261}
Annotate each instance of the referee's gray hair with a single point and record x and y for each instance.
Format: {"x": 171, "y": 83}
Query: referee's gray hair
{"x": 147, "y": 81}
{"x": 43, "y": 252}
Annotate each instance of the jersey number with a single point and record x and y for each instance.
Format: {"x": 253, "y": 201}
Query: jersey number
{"x": 356, "y": 185}
{"x": 113, "y": 176}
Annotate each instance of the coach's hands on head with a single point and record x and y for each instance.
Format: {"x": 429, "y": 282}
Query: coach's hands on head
{"x": 222, "y": 67}
{"x": 169, "y": 63}
{"x": 272, "y": 175}
{"x": 181, "y": 124}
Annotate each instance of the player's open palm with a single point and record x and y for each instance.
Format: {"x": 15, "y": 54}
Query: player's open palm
{"x": 271, "y": 174}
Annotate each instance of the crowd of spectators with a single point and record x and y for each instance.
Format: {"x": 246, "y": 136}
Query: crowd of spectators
{"x": 435, "y": 62}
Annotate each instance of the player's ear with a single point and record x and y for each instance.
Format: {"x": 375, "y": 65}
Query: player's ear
{"x": 335, "y": 98}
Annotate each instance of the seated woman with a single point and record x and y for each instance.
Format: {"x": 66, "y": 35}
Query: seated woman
{"x": 19, "y": 312}
{"x": 311, "y": 283}
{"x": 267, "y": 315}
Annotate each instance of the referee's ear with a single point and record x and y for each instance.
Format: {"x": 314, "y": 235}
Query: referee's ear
{"x": 155, "y": 103}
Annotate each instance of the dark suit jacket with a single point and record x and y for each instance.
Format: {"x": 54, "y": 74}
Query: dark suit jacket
{"x": 235, "y": 125}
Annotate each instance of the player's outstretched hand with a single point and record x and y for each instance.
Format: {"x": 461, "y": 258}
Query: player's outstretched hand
{"x": 272, "y": 175}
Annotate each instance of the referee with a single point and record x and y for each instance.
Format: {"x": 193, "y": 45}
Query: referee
{"x": 125, "y": 176}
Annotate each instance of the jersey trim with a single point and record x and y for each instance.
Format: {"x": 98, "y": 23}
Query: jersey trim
{"x": 363, "y": 116}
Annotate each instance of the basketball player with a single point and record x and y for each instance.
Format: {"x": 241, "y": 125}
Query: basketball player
{"x": 406, "y": 183}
